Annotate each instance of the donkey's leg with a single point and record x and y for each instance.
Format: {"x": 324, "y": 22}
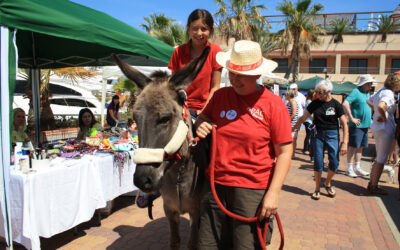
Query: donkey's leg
{"x": 194, "y": 228}
{"x": 173, "y": 219}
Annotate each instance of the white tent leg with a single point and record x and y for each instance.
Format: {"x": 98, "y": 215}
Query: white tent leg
{"x": 5, "y": 69}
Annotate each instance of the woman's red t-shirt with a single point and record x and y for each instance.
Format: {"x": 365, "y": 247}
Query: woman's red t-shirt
{"x": 248, "y": 127}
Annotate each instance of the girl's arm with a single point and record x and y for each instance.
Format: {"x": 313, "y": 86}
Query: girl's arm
{"x": 282, "y": 165}
{"x": 294, "y": 109}
{"x": 215, "y": 83}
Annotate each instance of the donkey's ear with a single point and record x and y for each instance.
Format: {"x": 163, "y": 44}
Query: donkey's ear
{"x": 131, "y": 73}
{"x": 187, "y": 74}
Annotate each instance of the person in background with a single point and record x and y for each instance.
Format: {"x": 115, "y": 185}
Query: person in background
{"x": 383, "y": 128}
{"x": 359, "y": 113}
{"x": 327, "y": 111}
{"x": 112, "y": 111}
{"x": 200, "y": 26}
{"x": 87, "y": 121}
{"x": 292, "y": 107}
{"x": 301, "y": 105}
{"x": 254, "y": 149}
{"x": 308, "y": 126}
{"x": 19, "y": 126}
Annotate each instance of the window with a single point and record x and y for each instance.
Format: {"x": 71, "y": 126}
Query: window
{"x": 58, "y": 102}
{"x": 317, "y": 65}
{"x": 395, "y": 65}
{"x": 76, "y": 102}
{"x": 358, "y": 66}
{"x": 282, "y": 65}
{"x": 20, "y": 89}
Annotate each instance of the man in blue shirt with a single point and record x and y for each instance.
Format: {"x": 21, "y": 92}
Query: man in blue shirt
{"x": 359, "y": 114}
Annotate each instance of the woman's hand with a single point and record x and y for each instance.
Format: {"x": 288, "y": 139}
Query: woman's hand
{"x": 356, "y": 121}
{"x": 204, "y": 129}
{"x": 269, "y": 205}
{"x": 343, "y": 148}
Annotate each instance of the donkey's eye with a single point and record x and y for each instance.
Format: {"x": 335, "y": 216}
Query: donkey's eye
{"x": 164, "y": 119}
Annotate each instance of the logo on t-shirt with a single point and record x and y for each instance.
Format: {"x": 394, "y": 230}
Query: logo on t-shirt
{"x": 222, "y": 114}
{"x": 231, "y": 114}
{"x": 256, "y": 113}
{"x": 330, "y": 111}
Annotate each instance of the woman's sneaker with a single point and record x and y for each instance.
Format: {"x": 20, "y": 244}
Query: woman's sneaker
{"x": 350, "y": 172}
{"x": 361, "y": 172}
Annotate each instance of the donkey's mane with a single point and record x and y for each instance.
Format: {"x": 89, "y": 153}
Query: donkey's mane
{"x": 159, "y": 76}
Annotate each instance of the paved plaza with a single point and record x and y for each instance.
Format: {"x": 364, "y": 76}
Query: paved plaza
{"x": 351, "y": 220}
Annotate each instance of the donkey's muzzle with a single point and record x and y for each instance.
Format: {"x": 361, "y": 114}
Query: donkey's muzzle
{"x": 147, "y": 178}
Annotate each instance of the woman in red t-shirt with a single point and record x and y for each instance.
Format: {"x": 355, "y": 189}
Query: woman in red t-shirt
{"x": 254, "y": 149}
{"x": 200, "y": 27}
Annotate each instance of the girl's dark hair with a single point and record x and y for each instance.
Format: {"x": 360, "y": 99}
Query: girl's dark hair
{"x": 201, "y": 14}
{"x": 112, "y": 102}
{"x": 310, "y": 94}
{"x": 81, "y": 115}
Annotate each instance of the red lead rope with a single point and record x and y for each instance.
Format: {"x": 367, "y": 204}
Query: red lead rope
{"x": 262, "y": 235}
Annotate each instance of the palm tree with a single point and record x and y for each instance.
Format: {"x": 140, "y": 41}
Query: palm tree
{"x": 384, "y": 25}
{"x": 156, "y": 22}
{"x": 268, "y": 41}
{"x": 300, "y": 31}
{"x": 123, "y": 85}
{"x": 339, "y": 27}
{"x": 164, "y": 29}
{"x": 237, "y": 18}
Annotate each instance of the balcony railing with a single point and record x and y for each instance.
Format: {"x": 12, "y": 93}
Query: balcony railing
{"x": 359, "y": 70}
{"x": 319, "y": 70}
{"x": 391, "y": 70}
{"x": 361, "y": 21}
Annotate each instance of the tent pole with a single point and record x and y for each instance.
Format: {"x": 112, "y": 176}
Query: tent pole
{"x": 35, "y": 81}
{"x": 103, "y": 99}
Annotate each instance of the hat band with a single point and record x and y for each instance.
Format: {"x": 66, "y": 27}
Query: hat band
{"x": 237, "y": 67}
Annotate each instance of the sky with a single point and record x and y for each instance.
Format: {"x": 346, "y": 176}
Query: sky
{"x": 133, "y": 11}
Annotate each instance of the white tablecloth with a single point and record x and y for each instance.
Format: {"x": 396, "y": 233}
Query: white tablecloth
{"x": 55, "y": 199}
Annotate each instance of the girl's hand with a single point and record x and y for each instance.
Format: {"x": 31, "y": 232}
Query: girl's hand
{"x": 269, "y": 205}
{"x": 203, "y": 129}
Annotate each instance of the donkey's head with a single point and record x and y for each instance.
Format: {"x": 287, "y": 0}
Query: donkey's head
{"x": 158, "y": 115}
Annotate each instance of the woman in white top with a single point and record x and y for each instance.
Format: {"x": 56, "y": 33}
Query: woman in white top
{"x": 383, "y": 127}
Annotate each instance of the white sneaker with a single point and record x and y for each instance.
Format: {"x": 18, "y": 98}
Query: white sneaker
{"x": 361, "y": 172}
{"x": 390, "y": 171}
{"x": 350, "y": 173}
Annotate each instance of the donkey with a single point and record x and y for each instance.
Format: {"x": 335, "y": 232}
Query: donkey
{"x": 166, "y": 159}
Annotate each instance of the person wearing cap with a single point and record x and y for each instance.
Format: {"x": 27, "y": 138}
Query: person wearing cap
{"x": 300, "y": 100}
{"x": 254, "y": 149}
{"x": 359, "y": 113}
{"x": 383, "y": 128}
{"x": 327, "y": 111}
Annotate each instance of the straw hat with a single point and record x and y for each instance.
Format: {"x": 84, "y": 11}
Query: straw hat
{"x": 246, "y": 59}
{"x": 365, "y": 79}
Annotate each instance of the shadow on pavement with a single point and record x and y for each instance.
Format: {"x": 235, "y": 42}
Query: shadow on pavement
{"x": 392, "y": 204}
{"x": 295, "y": 190}
{"x": 154, "y": 235}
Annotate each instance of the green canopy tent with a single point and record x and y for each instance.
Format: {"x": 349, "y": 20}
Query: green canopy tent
{"x": 310, "y": 83}
{"x": 38, "y": 34}
{"x": 343, "y": 88}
